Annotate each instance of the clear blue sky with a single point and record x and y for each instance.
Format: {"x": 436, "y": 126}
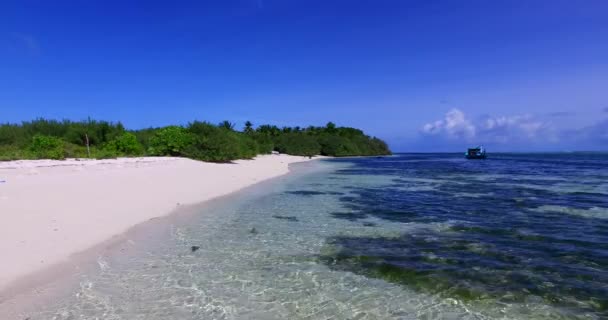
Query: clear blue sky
{"x": 424, "y": 75}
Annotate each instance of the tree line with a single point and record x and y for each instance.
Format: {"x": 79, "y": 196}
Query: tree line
{"x": 52, "y": 139}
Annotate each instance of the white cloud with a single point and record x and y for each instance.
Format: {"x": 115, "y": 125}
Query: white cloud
{"x": 490, "y": 129}
{"x": 454, "y": 125}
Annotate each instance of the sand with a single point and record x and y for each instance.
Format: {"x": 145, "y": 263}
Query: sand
{"x": 51, "y": 210}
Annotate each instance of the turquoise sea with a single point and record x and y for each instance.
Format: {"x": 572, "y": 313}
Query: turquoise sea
{"x": 410, "y": 236}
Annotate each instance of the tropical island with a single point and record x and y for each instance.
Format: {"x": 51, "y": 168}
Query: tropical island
{"x": 53, "y": 139}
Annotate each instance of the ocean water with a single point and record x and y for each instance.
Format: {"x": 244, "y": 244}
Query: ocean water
{"x": 411, "y": 236}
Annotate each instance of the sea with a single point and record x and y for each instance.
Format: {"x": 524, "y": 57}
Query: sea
{"x": 408, "y": 236}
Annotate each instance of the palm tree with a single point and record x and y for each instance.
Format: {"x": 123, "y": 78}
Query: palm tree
{"x": 226, "y": 125}
{"x": 248, "y": 127}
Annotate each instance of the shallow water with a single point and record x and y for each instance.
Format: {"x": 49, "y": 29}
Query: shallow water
{"x": 402, "y": 237}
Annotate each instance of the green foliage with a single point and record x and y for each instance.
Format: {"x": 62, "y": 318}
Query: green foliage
{"x": 47, "y": 147}
{"x": 226, "y": 125}
{"x": 331, "y": 140}
{"x": 265, "y": 143}
{"x": 99, "y": 132}
{"x": 54, "y": 139}
{"x": 11, "y": 152}
{"x": 170, "y": 141}
{"x": 220, "y": 144}
{"x": 125, "y": 145}
{"x": 338, "y": 146}
{"x": 71, "y": 150}
{"x": 298, "y": 144}
{"x": 216, "y": 147}
{"x": 249, "y": 148}
{"x": 104, "y": 153}
{"x": 248, "y": 128}
{"x": 268, "y": 130}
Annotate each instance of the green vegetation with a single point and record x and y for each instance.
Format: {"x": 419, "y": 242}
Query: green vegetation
{"x": 170, "y": 141}
{"x": 125, "y": 145}
{"x": 450, "y": 282}
{"x": 428, "y": 281}
{"x": 47, "y": 147}
{"x": 52, "y": 139}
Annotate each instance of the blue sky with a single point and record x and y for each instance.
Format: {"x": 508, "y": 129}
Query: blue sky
{"x": 423, "y": 75}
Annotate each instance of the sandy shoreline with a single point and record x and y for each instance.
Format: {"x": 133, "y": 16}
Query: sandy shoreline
{"x": 51, "y": 210}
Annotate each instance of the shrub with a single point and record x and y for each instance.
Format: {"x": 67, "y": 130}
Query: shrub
{"x": 71, "y": 150}
{"x": 220, "y": 143}
{"x": 171, "y": 141}
{"x": 217, "y": 146}
{"x": 125, "y": 144}
{"x": 298, "y": 144}
{"x": 47, "y": 147}
{"x": 104, "y": 153}
{"x": 338, "y": 146}
{"x": 263, "y": 141}
{"x": 248, "y": 147}
{"x": 9, "y": 153}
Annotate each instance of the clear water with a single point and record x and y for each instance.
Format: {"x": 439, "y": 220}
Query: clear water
{"x": 402, "y": 237}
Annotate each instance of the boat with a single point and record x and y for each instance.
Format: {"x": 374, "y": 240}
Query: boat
{"x": 476, "y": 153}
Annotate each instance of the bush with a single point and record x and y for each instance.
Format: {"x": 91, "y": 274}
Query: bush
{"x": 220, "y": 143}
{"x": 217, "y": 146}
{"x": 71, "y": 150}
{"x": 104, "y": 153}
{"x": 47, "y": 147}
{"x": 338, "y": 146}
{"x": 125, "y": 145}
{"x": 298, "y": 144}
{"x": 9, "y": 153}
{"x": 248, "y": 147}
{"x": 171, "y": 141}
{"x": 263, "y": 141}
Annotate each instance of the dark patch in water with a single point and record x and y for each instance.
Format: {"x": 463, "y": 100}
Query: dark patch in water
{"x": 369, "y": 224}
{"x": 306, "y": 193}
{"x": 288, "y": 218}
{"x": 351, "y": 216}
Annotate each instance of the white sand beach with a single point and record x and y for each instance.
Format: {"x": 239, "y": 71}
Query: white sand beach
{"x": 50, "y": 210}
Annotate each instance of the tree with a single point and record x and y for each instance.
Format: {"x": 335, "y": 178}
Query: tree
{"x": 298, "y": 145}
{"x": 330, "y": 127}
{"x": 269, "y": 130}
{"x": 248, "y": 127}
{"x": 221, "y": 145}
{"x": 170, "y": 141}
{"x": 227, "y": 125}
{"x": 47, "y": 147}
{"x": 43, "y": 138}
{"x": 126, "y": 145}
